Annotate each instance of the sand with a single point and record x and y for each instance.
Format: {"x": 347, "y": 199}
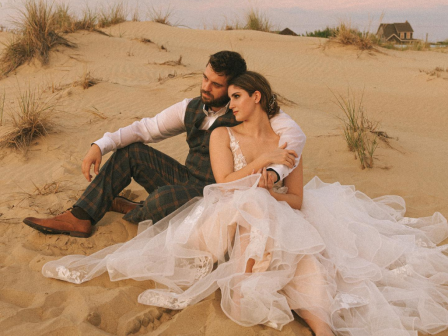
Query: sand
{"x": 400, "y": 93}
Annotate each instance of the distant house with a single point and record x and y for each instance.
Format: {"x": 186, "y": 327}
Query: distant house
{"x": 395, "y": 32}
{"x": 287, "y": 31}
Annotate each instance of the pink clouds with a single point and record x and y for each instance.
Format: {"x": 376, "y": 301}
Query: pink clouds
{"x": 319, "y": 5}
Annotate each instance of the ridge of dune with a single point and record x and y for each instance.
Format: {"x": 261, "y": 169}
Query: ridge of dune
{"x": 410, "y": 104}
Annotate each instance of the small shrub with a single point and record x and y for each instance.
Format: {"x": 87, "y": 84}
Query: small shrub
{"x": 326, "y": 33}
{"x": 30, "y": 120}
{"x": 359, "y": 132}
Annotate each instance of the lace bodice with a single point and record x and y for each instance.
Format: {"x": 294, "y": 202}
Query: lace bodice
{"x": 239, "y": 161}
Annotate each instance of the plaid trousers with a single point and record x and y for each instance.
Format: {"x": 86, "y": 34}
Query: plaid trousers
{"x": 168, "y": 183}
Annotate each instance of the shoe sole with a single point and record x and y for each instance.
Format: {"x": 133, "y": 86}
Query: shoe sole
{"x": 46, "y": 230}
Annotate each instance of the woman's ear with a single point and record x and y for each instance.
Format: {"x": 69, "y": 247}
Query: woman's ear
{"x": 257, "y": 96}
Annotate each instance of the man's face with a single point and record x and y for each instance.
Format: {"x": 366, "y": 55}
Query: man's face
{"x": 214, "y": 88}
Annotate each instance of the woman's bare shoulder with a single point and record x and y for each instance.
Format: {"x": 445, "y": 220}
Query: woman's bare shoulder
{"x": 220, "y": 134}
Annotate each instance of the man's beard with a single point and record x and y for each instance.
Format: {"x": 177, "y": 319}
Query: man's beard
{"x": 214, "y": 102}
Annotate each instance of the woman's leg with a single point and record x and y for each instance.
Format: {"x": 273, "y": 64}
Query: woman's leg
{"x": 308, "y": 294}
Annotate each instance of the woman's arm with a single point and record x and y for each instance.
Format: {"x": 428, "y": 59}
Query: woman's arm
{"x": 294, "y": 182}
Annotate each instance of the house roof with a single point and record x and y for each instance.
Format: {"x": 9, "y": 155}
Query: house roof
{"x": 396, "y": 28}
{"x": 404, "y": 27}
{"x": 287, "y": 31}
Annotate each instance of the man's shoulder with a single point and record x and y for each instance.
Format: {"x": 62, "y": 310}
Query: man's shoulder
{"x": 194, "y": 100}
{"x": 281, "y": 116}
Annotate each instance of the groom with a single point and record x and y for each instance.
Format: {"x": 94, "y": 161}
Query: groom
{"x": 168, "y": 183}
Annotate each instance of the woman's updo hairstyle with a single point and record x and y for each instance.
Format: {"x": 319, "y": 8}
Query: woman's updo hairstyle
{"x": 250, "y": 82}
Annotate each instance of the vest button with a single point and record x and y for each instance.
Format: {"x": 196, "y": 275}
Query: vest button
{"x": 203, "y": 147}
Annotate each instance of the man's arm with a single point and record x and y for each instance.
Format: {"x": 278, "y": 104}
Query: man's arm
{"x": 292, "y": 134}
{"x": 168, "y": 123}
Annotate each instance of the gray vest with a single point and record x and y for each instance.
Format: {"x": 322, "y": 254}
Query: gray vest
{"x": 198, "y": 159}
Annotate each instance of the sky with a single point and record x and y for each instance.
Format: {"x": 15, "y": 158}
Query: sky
{"x": 426, "y": 16}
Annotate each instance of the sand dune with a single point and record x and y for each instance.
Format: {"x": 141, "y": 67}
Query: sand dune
{"x": 399, "y": 92}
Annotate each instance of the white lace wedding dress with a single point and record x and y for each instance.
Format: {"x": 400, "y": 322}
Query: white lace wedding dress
{"x": 355, "y": 262}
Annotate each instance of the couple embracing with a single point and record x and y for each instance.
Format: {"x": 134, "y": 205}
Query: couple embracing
{"x": 342, "y": 261}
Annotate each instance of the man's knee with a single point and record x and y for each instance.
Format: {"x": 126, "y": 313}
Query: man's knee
{"x": 169, "y": 198}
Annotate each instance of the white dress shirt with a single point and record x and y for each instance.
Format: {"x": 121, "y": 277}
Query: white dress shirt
{"x": 170, "y": 122}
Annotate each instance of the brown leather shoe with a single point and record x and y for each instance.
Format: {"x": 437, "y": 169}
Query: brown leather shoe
{"x": 123, "y": 205}
{"x": 64, "y": 223}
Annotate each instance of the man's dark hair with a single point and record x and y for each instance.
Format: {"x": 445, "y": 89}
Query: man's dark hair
{"x": 229, "y": 63}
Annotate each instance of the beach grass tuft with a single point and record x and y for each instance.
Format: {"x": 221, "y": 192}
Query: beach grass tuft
{"x": 29, "y": 121}
{"x": 160, "y": 15}
{"x": 360, "y": 133}
{"x": 257, "y": 20}
{"x": 87, "y": 80}
{"x": 363, "y": 40}
{"x": 112, "y": 15}
{"x": 254, "y": 19}
{"x": 36, "y": 36}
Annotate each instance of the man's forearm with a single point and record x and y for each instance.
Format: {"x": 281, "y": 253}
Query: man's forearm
{"x": 292, "y": 134}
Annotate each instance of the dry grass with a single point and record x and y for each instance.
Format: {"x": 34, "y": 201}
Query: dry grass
{"x": 36, "y": 36}
{"x": 347, "y": 35}
{"x": 136, "y": 13}
{"x": 112, "y": 15}
{"x": 254, "y": 19}
{"x": 173, "y": 63}
{"x": 88, "y": 20}
{"x": 163, "y": 16}
{"x": 96, "y": 112}
{"x": 29, "y": 121}
{"x": 257, "y": 20}
{"x": 437, "y": 72}
{"x": 360, "y": 133}
{"x": 143, "y": 40}
{"x": 47, "y": 189}
{"x": 87, "y": 80}
{"x": 2, "y": 107}
{"x": 162, "y": 80}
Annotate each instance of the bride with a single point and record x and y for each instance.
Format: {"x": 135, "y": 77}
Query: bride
{"x": 347, "y": 264}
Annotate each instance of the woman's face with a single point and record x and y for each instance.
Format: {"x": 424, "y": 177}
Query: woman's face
{"x": 241, "y": 103}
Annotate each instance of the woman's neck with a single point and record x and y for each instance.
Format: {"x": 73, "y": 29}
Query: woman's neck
{"x": 257, "y": 126}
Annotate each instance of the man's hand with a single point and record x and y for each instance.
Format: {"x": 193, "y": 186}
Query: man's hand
{"x": 93, "y": 157}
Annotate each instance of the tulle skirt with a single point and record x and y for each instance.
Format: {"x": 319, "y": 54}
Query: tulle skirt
{"x": 354, "y": 262}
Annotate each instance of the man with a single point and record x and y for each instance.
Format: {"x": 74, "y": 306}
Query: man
{"x": 168, "y": 183}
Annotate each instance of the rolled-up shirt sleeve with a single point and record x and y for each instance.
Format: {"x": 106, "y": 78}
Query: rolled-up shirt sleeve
{"x": 292, "y": 134}
{"x": 166, "y": 124}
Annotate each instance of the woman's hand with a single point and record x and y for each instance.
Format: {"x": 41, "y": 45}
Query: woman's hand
{"x": 281, "y": 155}
{"x": 266, "y": 179}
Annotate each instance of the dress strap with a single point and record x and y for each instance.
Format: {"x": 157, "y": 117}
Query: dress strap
{"x": 232, "y": 137}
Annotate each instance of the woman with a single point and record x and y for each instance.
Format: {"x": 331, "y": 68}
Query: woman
{"x": 347, "y": 264}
